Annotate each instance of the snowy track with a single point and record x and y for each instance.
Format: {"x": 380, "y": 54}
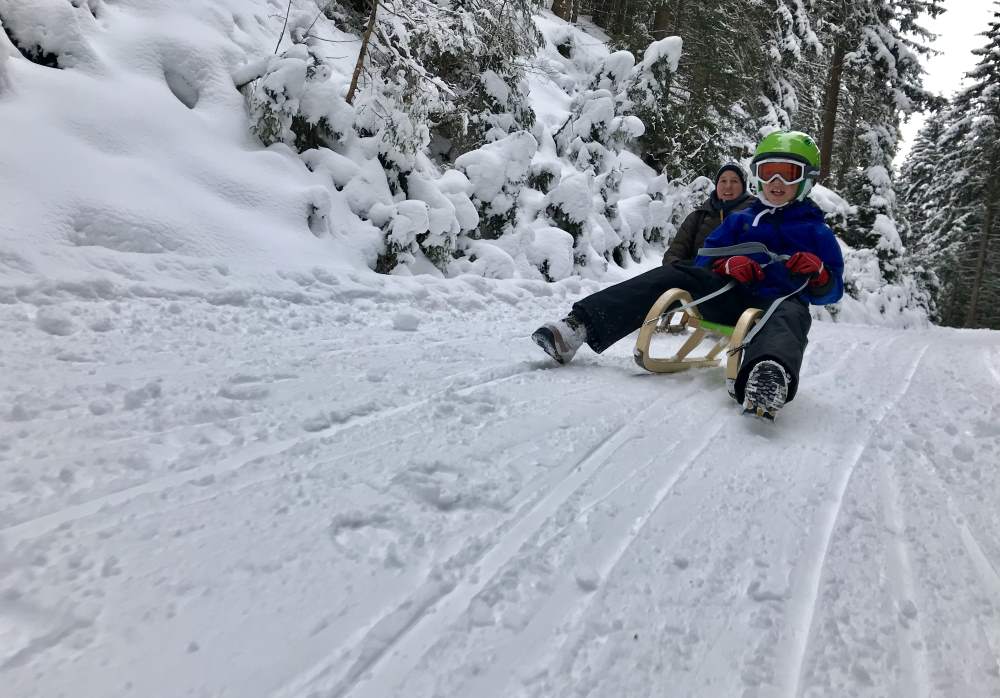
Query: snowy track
{"x": 280, "y": 500}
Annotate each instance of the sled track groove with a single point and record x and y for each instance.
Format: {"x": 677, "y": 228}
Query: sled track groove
{"x": 313, "y": 465}
{"x": 985, "y": 569}
{"x": 803, "y": 602}
{"x": 408, "y": 632}
{"x": 213, "y": 371}
{"x": 182, "y": 429}
{"x": 914, "y": 681}
{"x": 40, "y": 525}
{"x": 562, "y": 605}
{"x": 992, "y": 362}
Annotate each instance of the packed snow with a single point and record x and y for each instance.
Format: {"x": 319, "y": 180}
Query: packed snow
{"x": 236, "y": 461}
{"x": 343, "y": 495}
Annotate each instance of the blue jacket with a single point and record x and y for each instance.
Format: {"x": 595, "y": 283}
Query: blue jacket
{"x": 798, "y": 227}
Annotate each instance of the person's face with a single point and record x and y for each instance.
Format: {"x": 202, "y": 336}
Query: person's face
{"x": 729, "y": 186}
{"x": 778, "y": 193}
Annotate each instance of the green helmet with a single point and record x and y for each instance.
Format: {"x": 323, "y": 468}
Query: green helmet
{"x": 790, "y": 145}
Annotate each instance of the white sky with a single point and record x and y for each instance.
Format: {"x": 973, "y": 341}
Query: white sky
{"x": 957, "y": 29}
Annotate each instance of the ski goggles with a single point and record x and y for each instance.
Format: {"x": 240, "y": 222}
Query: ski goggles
{"x": 788, "y": 171}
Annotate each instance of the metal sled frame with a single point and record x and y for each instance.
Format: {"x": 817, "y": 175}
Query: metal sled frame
{"x": 726, "y": 336}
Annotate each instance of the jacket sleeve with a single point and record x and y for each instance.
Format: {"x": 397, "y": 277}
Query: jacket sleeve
{"x": 723, "y": 236}
{"x": 833, "y": 260}
{"x": 681, "y": 248}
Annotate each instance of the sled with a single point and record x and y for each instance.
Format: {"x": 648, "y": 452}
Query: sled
{"x": 700, "y": 329}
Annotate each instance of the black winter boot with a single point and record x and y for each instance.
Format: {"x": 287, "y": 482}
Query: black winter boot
{"x": 766, "y": 389}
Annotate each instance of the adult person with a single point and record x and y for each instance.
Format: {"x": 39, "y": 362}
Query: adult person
{"x": 785, "y": 167}
{"x": 730, "y": 195}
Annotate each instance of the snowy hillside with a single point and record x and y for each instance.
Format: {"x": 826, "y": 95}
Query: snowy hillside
{"x": 134, "y": 170}
{"x": 235, "y": 461}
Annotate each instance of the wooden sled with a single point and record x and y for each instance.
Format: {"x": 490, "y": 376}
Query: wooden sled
{"x": 724, "y": 335}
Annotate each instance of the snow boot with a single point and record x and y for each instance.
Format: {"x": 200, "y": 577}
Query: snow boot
{"x": 766, "y": 389}
{"x": 561, "y": 339}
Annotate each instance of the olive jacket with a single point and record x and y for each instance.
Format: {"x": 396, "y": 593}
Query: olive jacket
{"x": 699, "y": 225}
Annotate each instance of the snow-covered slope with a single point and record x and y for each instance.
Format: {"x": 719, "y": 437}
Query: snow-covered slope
{"x": 358, "y": 498}
{"x": 133, "y": 171}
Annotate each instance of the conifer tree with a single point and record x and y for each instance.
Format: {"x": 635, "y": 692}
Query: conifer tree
{"x": 979, "y": 154}
{"x": 952, "y": 171}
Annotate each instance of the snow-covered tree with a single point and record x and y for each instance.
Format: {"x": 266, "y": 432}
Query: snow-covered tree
{"x": 648, "y": 92}
{"x": 479, "y": 49}
{"x": 585, "y": 204}
{"x": 291, "y": 100}
{"x": 497, "y": 172}
{"x": 871, "y": 77}
{"x": 961, "y": 232}
{"x": 920, "y": 196}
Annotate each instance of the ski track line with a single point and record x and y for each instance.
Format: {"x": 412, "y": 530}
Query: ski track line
{"x": 425, "y": 602}
{"x": 362, "y": 349}
{"x": 914, "y": 681}
{"x": 63, "y": 418}
{"x": 34, "y": 527}
{"x": 993, "y": 366}
{"x": 258, "y": 482}
{"x": 234, "y": 368}
{"x": 408, "y": 632}
{"x": 985, "y": 569}
{"x": 679, "y": 406}
{"x": 561, "y": 602}
{"x": 285, "y": 377}
{"x": 802, "y": 604}
{"x": 212, "y": 422}
{"x": 844, "y": 357}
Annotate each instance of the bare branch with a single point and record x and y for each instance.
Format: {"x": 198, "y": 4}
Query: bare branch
{"x": 362, "y": 52}
{"x": 284, "y": 26}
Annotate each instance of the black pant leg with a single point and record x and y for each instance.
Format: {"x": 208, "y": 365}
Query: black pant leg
{"x": 783, "y": 339}
{"x": 618, "y": 310}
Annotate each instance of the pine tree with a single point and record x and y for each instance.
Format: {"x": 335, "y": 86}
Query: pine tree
{"x": 733, "y": 80}
{"x": 478, "y": 49}
{"x": 870, "y": 73}
{"x": 871, "y": 78}
{"x": 976, "y": 140}
{"x": 956, "y": 163}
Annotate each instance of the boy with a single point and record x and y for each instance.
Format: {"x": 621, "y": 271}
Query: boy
{"x": 784, "y": 167}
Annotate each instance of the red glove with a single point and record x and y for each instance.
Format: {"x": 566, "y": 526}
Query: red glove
{"x": 810, "y": 264}
{"x": 741, "y": 268}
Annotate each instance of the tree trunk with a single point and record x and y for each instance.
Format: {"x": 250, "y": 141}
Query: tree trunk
{"x": 831, "y": 98}
{"x": 362, "y": 53}
{"x": 563, "y": 9}
{"x": 599, "y": 13}
{"x": 848, "y": 140}
{"x": 661, "y": 22}
{"x": 972, "y": 313}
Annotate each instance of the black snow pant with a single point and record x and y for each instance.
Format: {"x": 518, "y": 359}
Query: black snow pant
{"x": 619, "y": 310}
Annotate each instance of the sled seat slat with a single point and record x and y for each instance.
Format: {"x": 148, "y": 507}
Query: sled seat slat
{"x": 726, "y": 330}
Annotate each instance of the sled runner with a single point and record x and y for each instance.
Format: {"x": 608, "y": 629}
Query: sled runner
{"x": 658, "y": 318}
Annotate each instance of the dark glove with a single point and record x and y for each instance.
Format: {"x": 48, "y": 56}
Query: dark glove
{"x": 808, "y": 264}
{"x": 741, "y": 268}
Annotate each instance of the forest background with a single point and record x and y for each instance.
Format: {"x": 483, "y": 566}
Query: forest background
{"x": 548, "y": 140}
